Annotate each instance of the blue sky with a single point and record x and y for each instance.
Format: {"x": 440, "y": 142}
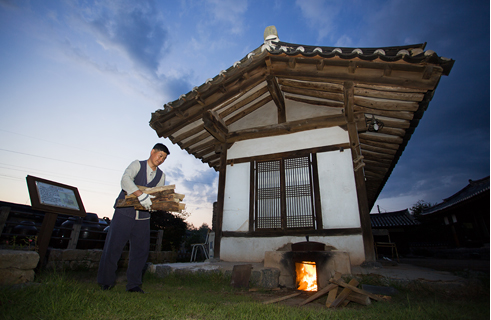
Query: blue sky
{"x": 79, "y": 81}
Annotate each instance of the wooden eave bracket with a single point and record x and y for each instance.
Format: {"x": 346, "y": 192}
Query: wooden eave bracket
{"x": 200, "y": 100}
{"x": 221, "y": 148}
{"x": 215, "y": 126}
{"x": 278, "y": 98}
{"x": 275, "y": 91}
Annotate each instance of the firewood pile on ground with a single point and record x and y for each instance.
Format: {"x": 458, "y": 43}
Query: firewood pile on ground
{"x": 165, "y": 199}
{"x": 339, "y": 294}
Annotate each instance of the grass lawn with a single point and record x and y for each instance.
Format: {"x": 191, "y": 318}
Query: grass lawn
{"x": 75, "y": 295}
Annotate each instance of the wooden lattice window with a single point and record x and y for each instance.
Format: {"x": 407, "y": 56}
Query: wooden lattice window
{"x": 284, "y": 193}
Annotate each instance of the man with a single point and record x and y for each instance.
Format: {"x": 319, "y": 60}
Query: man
{"x": 132, "y": 225}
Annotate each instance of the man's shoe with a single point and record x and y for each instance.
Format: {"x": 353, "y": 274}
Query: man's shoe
{"x": 136, "y": 289}
{"x": 106, "y": 287}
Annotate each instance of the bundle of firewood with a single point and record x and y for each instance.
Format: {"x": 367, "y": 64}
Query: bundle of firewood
{"x": 339, "y": 293}
{"x": 165, "y": 199}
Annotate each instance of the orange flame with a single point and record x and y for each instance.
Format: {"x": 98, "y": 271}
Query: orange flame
{"x": 306, "y": 276}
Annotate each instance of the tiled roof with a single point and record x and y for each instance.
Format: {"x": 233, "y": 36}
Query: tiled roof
{"x": 473, "y": 189}
{"x": 413, "y": 54}
{"x": 410, "y": 53}
{"x": 391, "y": 85}
{"x": 393, "y": 219}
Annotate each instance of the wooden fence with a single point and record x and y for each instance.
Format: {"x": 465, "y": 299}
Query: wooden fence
{"x": 20, "y": 225}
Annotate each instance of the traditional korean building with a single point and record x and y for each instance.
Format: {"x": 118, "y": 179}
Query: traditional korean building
{"x": 461, "y": 220}
{"x": 304, "y": 139}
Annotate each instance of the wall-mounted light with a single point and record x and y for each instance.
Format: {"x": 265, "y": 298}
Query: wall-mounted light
{"x": 374, "y": 125}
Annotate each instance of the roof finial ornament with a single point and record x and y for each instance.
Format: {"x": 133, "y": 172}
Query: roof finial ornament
{"x": 270, "y": 34}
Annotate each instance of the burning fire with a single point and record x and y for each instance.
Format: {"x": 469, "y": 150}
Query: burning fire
{"x": 306, "y": 276}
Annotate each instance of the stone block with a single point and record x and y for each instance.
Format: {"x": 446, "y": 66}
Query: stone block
{"x": 18, "y": 259}
{"x": 73, "y": 254}
{"x": 16, "y": 266}
{"x": 55, "y": 255}
{"x": 270, "y": 278}
{"x": 94, "y": 255}
{"x": 11, "y": 276}
{"x": 255, "y": 279}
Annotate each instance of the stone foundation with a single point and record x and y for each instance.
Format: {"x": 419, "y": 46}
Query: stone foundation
{"x": 17, "y": 266}
{"x": 73, "y": 259}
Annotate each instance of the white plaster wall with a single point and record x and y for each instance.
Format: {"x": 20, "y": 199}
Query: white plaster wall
{"x": 236, "y": 202}
{"x": 253, "y": 249}
{"x": 288, "y": 142}
{"x": 338, "y": 190}
{"x": 296, "y": 110}
{"x": 266, "y": 115}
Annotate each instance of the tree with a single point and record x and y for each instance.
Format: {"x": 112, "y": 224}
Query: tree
{"x": 174, "y": 228}
{"x": 419, "y": 206}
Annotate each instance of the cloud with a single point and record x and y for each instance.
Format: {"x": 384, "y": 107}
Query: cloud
{"x": 344, "y": 41}
{"x": 320, "y": 15}
{"x": 135, "y": 27}
{"x": 229, "y": 12}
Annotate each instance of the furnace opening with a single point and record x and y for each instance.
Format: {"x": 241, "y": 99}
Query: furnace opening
{"x": 306, "y": 276}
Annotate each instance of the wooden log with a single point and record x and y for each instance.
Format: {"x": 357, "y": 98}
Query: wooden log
{"x": 164, "y": 206}
{"x": 321, "y": 86}
{"x": 323, "y": 291}
{"x": 164, "y": 199}
{"x": 355, "y": 289}
{"x": 282, "y": 298}
{"x": 344, "y": 294}
{"x": 319, "y": 294}
{"x": 331, "y": 296}
{"x": 407, "y": 96}
{"x": 333, "y": 293}
{"x": 154, "y": 189}
{"x": 359, "y": 298}
{"x": 314, "y": 93}
{"x": 130, "y": 202}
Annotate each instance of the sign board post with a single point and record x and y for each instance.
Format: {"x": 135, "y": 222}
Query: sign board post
{"x": 52, "y": 198}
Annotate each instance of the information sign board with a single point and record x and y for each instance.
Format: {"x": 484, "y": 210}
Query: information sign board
{"x": 55, "y": 197}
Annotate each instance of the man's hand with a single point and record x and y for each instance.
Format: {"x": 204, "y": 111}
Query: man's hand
{"x": 146, "y": 200}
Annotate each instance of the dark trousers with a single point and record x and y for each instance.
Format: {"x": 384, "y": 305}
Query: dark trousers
{"x": 122, "y": 230}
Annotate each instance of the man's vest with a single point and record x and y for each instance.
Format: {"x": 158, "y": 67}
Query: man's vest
{"x": 140, "y": 180}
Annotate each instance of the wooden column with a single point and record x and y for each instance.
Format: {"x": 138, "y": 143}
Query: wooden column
{"x": 358, "y": 164}
{"x": 160, "y": 237}
{"x": 72, "y": 244}
{"x": 4, "y": 214}
{"x": 220, "y": 198}
{"x": 44, "y": 236}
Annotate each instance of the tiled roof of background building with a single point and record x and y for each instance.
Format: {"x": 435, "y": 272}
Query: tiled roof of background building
{"x": 473, "y": 189}
{"x": 393, "y": 219}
